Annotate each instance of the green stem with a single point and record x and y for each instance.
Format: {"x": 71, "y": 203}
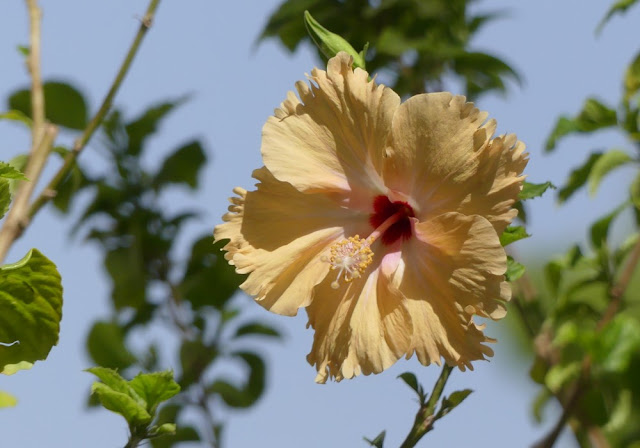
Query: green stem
{"x": 425, "y": 415}
{"x": 97, "y": 119}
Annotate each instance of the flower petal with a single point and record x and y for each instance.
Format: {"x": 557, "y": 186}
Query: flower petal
{"x": 442, "y": 155}
{"x": 334, "y": 137}
{"x": 451, "y": 271}
{"x": 278, "y": 236}
{"x": 363, "y": 328}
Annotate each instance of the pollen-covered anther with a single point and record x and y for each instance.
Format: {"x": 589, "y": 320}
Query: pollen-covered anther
{"x": 350, "y": 257}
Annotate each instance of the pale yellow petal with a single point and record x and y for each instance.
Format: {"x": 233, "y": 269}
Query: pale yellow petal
{"x": 361, "y": 328}
{"x": 278, "y": 236}
{"x": 334, "y": 137}
{"x": 450, "y": 272}
{"x": 443, "y": 156}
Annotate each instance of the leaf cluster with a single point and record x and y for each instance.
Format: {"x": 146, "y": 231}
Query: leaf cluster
{"x": 419, "y": 44}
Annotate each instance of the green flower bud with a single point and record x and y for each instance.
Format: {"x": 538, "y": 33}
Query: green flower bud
{"x": 330, "y": 43}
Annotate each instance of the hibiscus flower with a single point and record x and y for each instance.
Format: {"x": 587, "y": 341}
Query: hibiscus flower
{"x": 381, "y": 218}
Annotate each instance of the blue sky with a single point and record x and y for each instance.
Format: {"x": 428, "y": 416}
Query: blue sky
{"x": 207, "y": 48}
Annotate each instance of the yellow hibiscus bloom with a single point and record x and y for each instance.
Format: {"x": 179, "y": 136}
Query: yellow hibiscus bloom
{"x": 380, "y": 218}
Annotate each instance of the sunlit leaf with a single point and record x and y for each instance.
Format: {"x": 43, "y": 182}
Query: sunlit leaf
{"x": 64, "y": 104}
{"x": 16, "y": 115}
{"x": 30, "y": 308}
{"x": 154, "y": 388}
{"x": 616, "y": 344}
{"x": 121, "y": 403}
{"x": 561, "y": 374}
{"x": 512, "y": 234}
{"x": 7, "y": 400}
{"x": 514, "y": 270}
{"x": 530, "y": 191}
{"x": 632, "y": 78}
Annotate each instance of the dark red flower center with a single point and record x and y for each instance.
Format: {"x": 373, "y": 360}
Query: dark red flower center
{"x": 384, "y": 209}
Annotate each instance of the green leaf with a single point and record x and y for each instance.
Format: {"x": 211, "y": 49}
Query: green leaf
{"x": 578, "y": 177}
{"x": 16, "y": 115}
{"x": 593, "y": 116}
{"x": 155, "y": 388}
{"x": 539, "y": 404}
{"x": 209, "y": 279}
{"x": 126, "y": 267}
{"x": 538, "y": 370}
{"x": 146, "y": 124}
{"x": 621, "y": 412}
{"x": 330, "y": 44}
{"x": 7, "y": 400}
{"x": 242, "y": 397}
{"x": 530, "y": 191}
{"x": 514, "y": 270}
{"x": 411, "y": 381}
{"x": 167, "y": 429}
{"x": 618, "y": 7}
{"x": 121, "y": 403}
{"x": 195, "y": 358}
{"x": 378, "y": 442}
{"x": 634, "y": 191}
{"x": 8, "y": 171}
{"x": 256, "y": 328}
{"x": 182, "y": 434}
{"x": 593, "y": 406}
{"x": 30, "y": 308}
{"x": 604, "y": 165}
{"x": 600, "y": 229}
{"x": 107, "y": 348}
{"x": 451, "y": 402}
{"x": 5, "y": 197}
{"x": 182, "y": 166}
{"x": 632, "y": 78}
{"x": 617, "y": 343}
{"x": 561, "y": 374}
{"x": 512, "y": 234}
{"x": 64, "y": 104}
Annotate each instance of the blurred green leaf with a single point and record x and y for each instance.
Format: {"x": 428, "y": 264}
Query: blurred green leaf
{"x": 7, "y": 400}
{"x": 632, "y": 78}
{"x": 247, "y": 395}
{"x": 514, "y": 270}
{"x": 64, "y": 104}
{"x": 195, "y": 358}
{"x": 8, "y": 171}
{"x": 592, "y": 404}
{"x": 182, "y": 434}
{"x": 126, "y": 267}
{"x": 73, "y": 182}
{"x": 621, "y": 412}
{"x": 578, "y": 177}
{"x": 600, "y": 229}
{"x": 634, "y": 191}
{"x": 208, "y": 279}
{"x": 538, "y": 370}
{"x": 16, "y": 115}
{"x": 604, "y": 165}
{"x": 539, "y": 404}
{"x": 512, "y": 234}
{"x": 530, "y": 191}
{"x": 618, "y": 7}
{"x": 617, "y": 343}
{"x": 182, "y": 166}
{"x": 378, "y": 442}
{"x": 593, "y": 116}
{"x": 256, "y": 328}
{"x": 31, "y": 304}
{"x": 107, "y": 348}
{"x": 561, "y": 374}
{"x": 139, "y": 129}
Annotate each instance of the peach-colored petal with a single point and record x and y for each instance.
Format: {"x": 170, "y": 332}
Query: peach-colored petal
{"x": 278, "y": 236}
{"x": 443, "y": 157}
{"x": 361, "y": 328}
{"x": 450, "y": 272}
{"x": 334, "y": 137}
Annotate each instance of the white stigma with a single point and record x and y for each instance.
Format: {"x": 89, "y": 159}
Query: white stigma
{"x": 350, "y": 257}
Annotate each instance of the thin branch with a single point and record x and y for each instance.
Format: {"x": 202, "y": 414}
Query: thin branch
{"x": 425, "y": 416}
{"x": 97, "y": 119}
{"x": 33, "y": 65}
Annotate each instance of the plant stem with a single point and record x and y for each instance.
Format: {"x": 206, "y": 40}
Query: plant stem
{"x": 97, "y": 119}
{"x": 425, "y": 415}
{"x": 42, "y": 138}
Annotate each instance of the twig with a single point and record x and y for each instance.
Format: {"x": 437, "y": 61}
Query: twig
{"x": 97, "y": 119}
{"x": 425, "y": 416}
{"x": 33, "y": 65}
